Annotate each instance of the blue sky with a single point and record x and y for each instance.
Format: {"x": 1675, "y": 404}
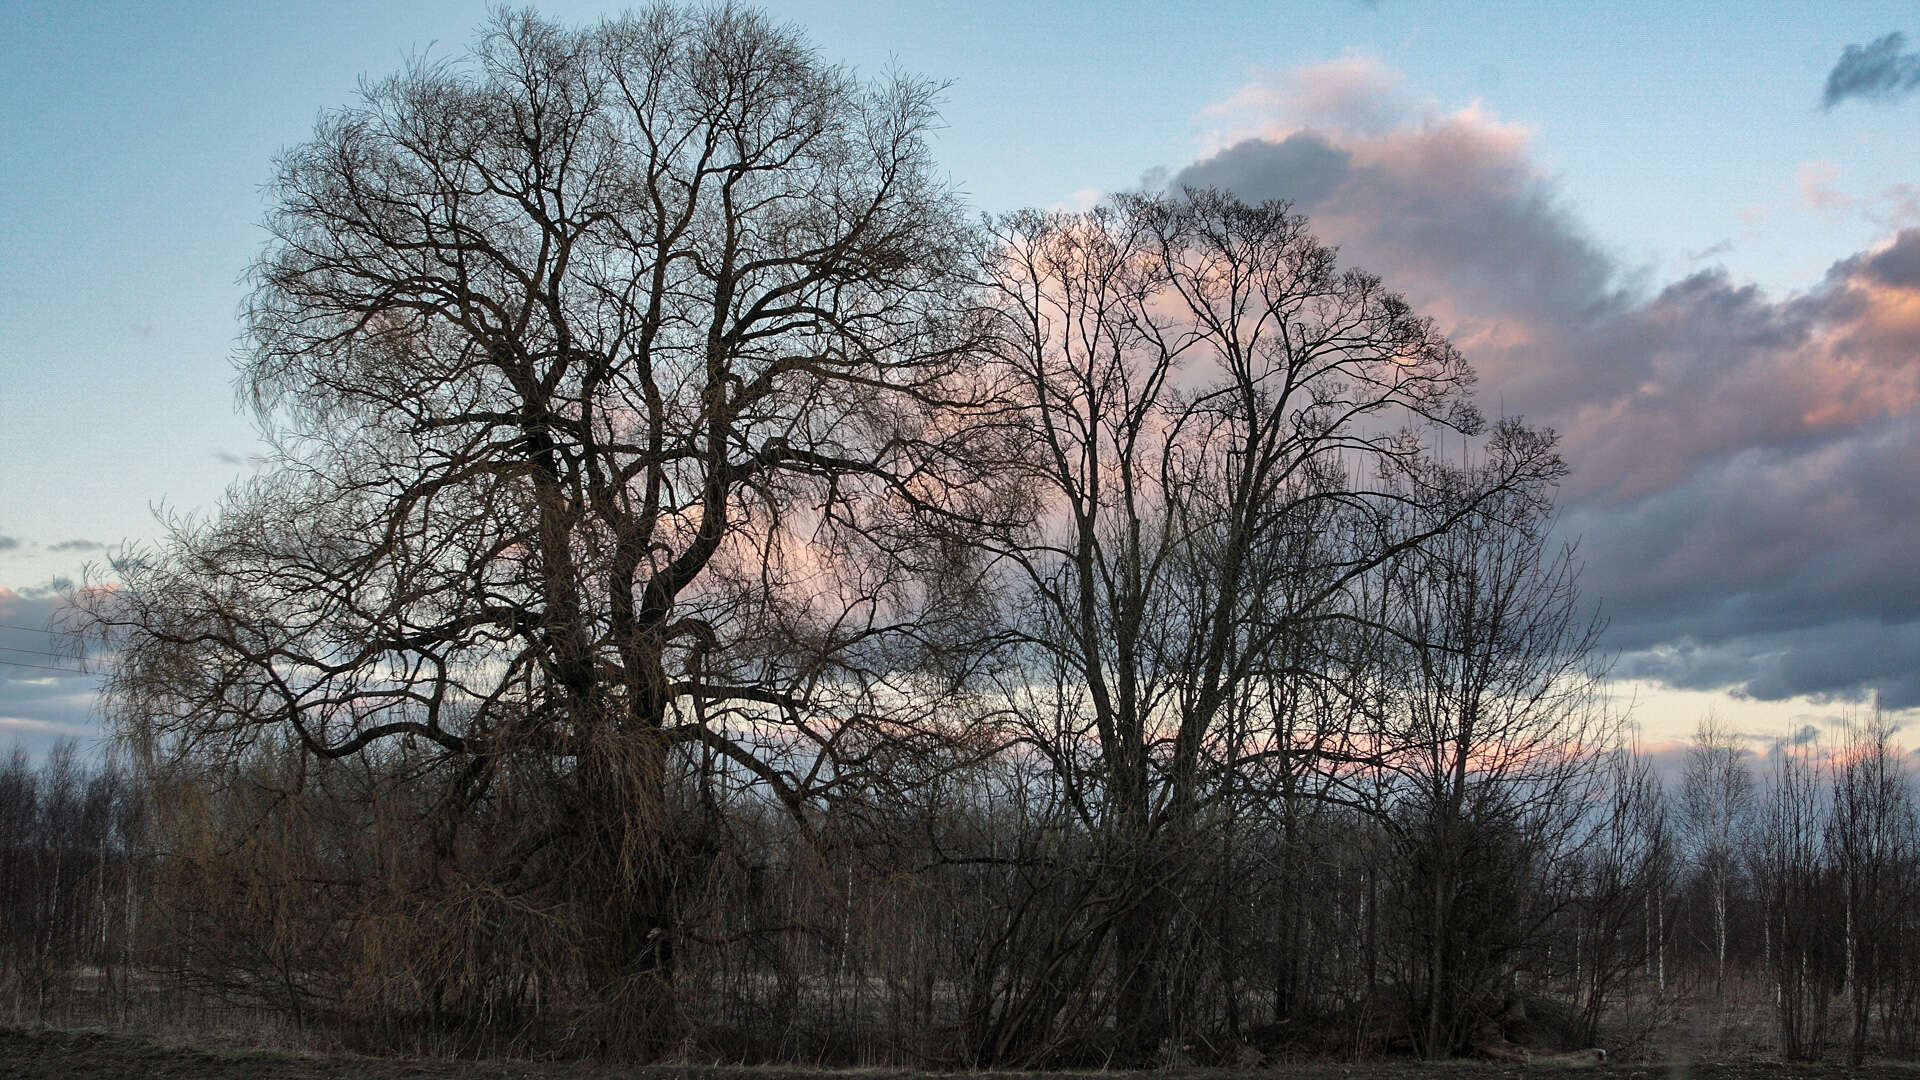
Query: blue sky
{"x": 1659, "y": 173}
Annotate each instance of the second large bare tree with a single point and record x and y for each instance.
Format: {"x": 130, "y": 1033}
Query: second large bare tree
{"x": 1221, "y": 438}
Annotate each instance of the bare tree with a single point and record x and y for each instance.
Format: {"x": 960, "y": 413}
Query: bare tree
{"x": 609, "y": 374}
{"x": 1627, "y": 875}
{"x": 1717, "y": 803}
{"x": 1795, "y": 880}
{"x": 1501, "y": 738}
{"x": 1872, "y": 838}
{"x": 1210, "y": 401}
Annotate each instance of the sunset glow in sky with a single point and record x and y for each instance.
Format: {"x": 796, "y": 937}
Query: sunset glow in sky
{"x": 1687, "y": 237}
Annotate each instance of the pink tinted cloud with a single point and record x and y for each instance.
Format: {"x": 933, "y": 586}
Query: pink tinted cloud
{"x": 1450, "y": 208}
{"x": 1355, "y": 93}
{"x": 1729, "y": 446}
{"x": 1815, "y": 181}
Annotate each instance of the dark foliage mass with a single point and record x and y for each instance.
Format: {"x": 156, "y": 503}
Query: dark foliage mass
{"x": 710, "y": 599}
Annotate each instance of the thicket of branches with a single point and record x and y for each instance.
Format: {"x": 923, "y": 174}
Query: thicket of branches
{"x": 710, "y": 597}
{"x": 915, "y": 933}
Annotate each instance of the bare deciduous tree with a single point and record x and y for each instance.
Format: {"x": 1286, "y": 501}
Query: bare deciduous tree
{"x": 609, "y": 374}
{"x": 1795, "y": 884}
{"x": 1627, "y": 878}
{"x": 1717, "y": 803}
{"x": 1500, "y": 738}
{"x": 1872, "y": 840}
{"x": 1220, "y": 448}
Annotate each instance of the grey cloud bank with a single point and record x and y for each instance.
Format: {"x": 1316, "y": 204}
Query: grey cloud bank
{"x": 39, "y": 706}
{"x": 1744, "y": 483}
{"x": 1898, "y": 266}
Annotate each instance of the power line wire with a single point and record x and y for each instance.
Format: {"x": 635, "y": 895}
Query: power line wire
{"x": 42, "y": 652}
{"x": 44, "y": 667}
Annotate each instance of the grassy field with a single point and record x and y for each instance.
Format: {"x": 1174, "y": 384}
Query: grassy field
{"x": 63, "y": 1055}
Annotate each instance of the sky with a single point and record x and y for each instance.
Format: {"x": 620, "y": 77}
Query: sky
{"x": 1685, "y": 236}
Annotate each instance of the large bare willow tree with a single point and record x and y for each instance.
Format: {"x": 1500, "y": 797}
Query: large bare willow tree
{"x": 609, "y": 375}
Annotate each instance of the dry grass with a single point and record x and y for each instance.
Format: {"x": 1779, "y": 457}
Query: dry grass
{"x": 43, "y": 1054}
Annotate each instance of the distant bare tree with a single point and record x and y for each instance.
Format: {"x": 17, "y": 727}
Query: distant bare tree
{"x": 1629, "y": 872}
{"x": 1872, "y": 839}
{"x": 1794, "y": 878}
{"x": 1717, "y": 803}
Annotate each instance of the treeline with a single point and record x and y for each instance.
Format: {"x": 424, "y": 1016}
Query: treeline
{"x": 954, "y": 929}
{"x": 1807, "y": 875}
{"x": 72, "y": 845}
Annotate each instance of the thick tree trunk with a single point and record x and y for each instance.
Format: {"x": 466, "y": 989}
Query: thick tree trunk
{"x": 1139, "y": 1002}
{"x": 1139, "y": 876}
{"x": 625, "y": 808}
{"x": 1433, "y": 1023}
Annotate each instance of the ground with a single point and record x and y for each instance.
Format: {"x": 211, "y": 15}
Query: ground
{"x": 39, "y": 1054}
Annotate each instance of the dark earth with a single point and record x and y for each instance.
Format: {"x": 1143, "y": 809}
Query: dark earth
{"x": 57, "y": 1055}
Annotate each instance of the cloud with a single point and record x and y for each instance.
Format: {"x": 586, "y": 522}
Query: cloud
{"x": 1896, "y": 266}
{"x": 78, "y": 545}
{"x": 1711, "y": 251}
{"x": 1357, "y": 92}
{"x": 1815, "y": 180}
{"x": 1843, "y": 661}
{"x": 1742, "y": 461}
{"x": 41, "y": 696}
{"x": 1877, "y": 71}
{"x": 1303, "y": 169}
{"x": 1074, "y": 203}
{"x": 16, "y": 727}
{"x": 254, "y": 461}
